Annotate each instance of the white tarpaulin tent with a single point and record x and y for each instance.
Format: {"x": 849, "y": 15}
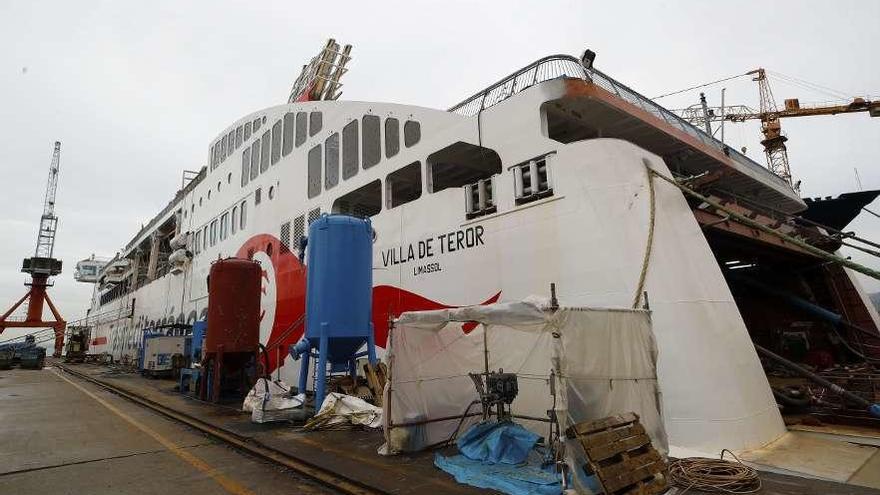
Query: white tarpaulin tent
{"x": 604, "y": 359}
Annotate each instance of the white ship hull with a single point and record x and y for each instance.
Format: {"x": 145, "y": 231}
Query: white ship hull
{"x": 588, "y": 236}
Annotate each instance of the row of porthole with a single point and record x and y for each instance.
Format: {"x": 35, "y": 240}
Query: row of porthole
{"x": 192, "y": 207}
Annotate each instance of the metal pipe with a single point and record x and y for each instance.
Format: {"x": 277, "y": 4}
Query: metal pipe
{"x": 873, "y": 409}
{"x": 705, "y": 114}
{"x": 432, "y": 420}
{"x": 803, "y": 304}
{"x": 722, "y": 114}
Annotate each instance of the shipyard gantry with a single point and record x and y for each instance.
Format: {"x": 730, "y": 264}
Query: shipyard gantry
{"x": 40, "y": 267}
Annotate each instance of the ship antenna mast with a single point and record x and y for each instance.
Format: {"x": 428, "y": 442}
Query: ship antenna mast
{"x": 319, "y": 79}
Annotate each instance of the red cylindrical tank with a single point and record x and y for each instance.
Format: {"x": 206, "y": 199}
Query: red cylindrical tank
{"x": 234, "y": 286}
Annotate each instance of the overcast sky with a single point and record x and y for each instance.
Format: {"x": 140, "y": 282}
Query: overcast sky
{"x": 136, "y": 90}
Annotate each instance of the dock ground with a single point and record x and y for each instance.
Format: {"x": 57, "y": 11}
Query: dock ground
{"x": 62, "y": 434}
{"x": 66, "y": 436}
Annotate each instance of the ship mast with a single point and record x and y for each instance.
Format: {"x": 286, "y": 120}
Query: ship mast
{"x": 319, "y": 79}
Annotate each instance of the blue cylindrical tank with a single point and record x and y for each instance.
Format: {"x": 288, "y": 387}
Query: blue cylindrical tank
{"x": 339, "y": 291}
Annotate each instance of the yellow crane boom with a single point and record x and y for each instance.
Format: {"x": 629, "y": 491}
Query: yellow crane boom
{"x": 769, "y": 115}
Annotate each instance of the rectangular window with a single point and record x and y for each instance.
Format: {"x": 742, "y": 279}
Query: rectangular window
{"x": 257, "y": 124}
{"x": 372, "y": 141}
{"x": 479, "y": 198}
{"x": 288, "y": 133}
{"x": 314, "y": 186}
{"x": 255, "y": 159}
{"x": 285, "y": 237}
{"x": 331, "y": 161}
{"x": 363, "y": 202}
{"x": 301, "y": 128}
{"x": 231, "y": 140}
{"x": 299, "y": 231}
{"x": 234, "y": 222}
{"x": 350, "y": 148}
{"x": 243, "y": 220}
{"x": 531, "y": 181}
{"x": 238, "y": 137}
{"x": 247, "y": 131}
{"x": 213, "y": 232}
{"x": 276, "y": 142}
{"x": 224, "y": 226}
{"x": 205, "y": 238}
{"x": 460, "y": 164}
{"x": 222, "y": 150}
{"x": 314, "y": 215}
{"x": 213, "y": 157}
{"x": 316, "y": 121}
{"x": 392, "y": 137}
{"x": 245, "y": 166}
{"x": 412, "y": 133}
{"x": 404, "y": 185}
{"x": 258, "y": 196}
{"x": 197, "y": 243}
{"x": 265, "y": 149}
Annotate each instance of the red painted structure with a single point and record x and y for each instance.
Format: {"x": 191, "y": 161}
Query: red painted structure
{"x": 233, "y": 337}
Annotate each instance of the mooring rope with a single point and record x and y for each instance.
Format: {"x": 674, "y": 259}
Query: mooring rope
{"x": 640, "y": 287}
{"x": 714, "y": 475}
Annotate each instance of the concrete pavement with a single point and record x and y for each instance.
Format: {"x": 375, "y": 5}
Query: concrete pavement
{"x": 60, "y": 435}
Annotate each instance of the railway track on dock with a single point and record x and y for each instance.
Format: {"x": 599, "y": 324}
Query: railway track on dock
{"x": 320, "y": 475}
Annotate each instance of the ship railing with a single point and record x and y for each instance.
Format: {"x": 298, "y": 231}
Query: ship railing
{"x": 545, "y": 69}
{"x": 625, "y": 93}
{"x": 566, "y": 66}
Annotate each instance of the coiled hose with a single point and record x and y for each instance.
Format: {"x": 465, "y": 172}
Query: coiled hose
{"x": 714, "y": 475}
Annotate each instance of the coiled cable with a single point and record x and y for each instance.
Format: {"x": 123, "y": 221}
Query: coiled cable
{"x": 714, "y": 475}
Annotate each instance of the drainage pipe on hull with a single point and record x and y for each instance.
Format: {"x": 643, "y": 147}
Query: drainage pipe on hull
{"x": 873, "y": 409}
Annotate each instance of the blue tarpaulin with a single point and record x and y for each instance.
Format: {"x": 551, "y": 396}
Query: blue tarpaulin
{"x": 515, "y": 479}
{"x": 501, "y": 456}
{"x": 494, "y": 442}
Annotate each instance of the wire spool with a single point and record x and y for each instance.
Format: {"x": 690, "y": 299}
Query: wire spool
{"x": 714, "y": 475}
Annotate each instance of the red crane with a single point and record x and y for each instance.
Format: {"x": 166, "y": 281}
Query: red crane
{"x": 40, "y": 267}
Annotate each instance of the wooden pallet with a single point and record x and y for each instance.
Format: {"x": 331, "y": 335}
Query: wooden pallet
{"x": 620, "y": 454}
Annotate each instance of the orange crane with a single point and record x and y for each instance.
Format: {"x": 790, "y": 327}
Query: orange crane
{"x": 769, "y": 114}
{"x": 41, "y": 266}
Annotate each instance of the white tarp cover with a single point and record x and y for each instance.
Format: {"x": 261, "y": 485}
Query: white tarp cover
{"x": 270, "y": 400}
{"x": 607, "y": 359}
{"x": 339, "y": 409}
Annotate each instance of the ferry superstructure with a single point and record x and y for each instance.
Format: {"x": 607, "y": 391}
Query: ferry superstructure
{"x": 544, "y": 177}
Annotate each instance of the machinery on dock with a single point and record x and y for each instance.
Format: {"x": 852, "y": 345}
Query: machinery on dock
{"x": 232, "y": 342}
{"x": 26, "y": 353}
{"x": 189, "y": 376}
{"x": 33, "y": 357}
{"x": 339, "y": 300}
{"x": 77, "y": 344}
{"x": 40, "y": 267}
{"x": 158, "y": 354}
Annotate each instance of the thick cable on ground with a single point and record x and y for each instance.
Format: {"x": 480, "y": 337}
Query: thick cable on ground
{"x": 714, "y": 475}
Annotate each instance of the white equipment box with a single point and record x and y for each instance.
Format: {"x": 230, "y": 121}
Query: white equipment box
{"x": 158, "y": 352}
